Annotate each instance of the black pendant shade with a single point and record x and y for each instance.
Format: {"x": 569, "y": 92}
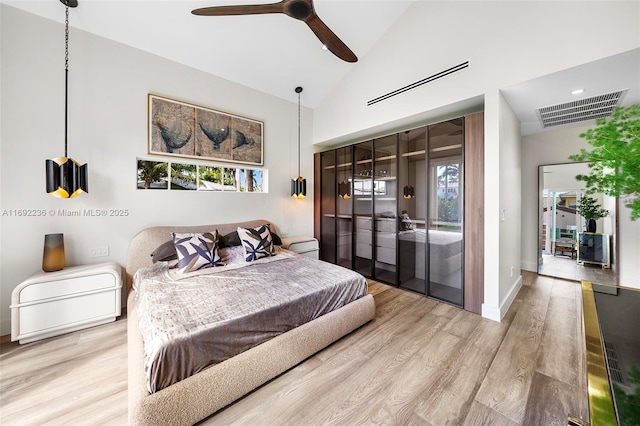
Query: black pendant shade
{"x": 344, "y": 190}
{"x": 409, "y": 192}
{"x": 66, "y": 178}
{"x": 299, "y": 185}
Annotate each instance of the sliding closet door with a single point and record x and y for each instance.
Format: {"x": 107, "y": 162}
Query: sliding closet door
{"x": 344, "y": 207}
{"x": 412, "y": 209}
{"x": 384, "y": 208}
{"x": 445, "y": 211}
{"x": 328, "y": 206}
{"x": 363, "y": 207}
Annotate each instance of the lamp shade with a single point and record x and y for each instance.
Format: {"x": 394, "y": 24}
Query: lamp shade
{"x": 344, "y": 190}
{"x": 299, "y": 187}
{"x": 409, "y": 192}
{"x": 66, "y": 178}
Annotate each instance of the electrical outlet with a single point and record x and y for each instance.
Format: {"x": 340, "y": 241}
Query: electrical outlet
{"x": 284, "y": 230}
{"x": 512, "y": 272}
{"x": 100, "y": 251}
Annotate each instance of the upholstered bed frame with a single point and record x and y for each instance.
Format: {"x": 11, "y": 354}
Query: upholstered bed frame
{"x": 201, "y": 395}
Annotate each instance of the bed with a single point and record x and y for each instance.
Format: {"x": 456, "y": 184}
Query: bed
{"x": 194, "y": 398}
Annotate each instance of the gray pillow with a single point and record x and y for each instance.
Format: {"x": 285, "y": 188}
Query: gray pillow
{"x": 165, "y": 252}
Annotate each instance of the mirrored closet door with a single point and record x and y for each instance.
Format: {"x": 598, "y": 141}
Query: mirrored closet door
{"x": 446, "y": 214}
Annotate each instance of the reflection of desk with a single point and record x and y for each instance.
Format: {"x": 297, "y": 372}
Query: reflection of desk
{"x": 565, "y": 245}
{"x": 593, "y": 248}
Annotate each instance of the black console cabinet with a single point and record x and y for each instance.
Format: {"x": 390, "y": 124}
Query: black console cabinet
{"x": 593, "y": 248}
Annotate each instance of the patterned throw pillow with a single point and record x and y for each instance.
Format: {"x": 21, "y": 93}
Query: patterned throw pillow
{"x": 196, "y": 251}
{"x": 256, "y": 242}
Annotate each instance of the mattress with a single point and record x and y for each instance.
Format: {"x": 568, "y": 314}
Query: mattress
{"x": 191, "y": 321}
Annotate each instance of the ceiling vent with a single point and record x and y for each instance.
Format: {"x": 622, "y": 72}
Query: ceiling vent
{"x": 580, "y": 110}
{"x": 419, "y": 83}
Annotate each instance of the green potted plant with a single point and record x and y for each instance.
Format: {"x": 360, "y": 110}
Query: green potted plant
{"x": 589, "y": 208}
{"x": 615, "y": 158}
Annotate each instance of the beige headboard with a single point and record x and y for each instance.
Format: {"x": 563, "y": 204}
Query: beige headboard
{"x": 147, "y": 240}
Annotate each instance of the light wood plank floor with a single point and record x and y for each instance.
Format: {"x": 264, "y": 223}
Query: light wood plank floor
{"x": 419, "y": 362}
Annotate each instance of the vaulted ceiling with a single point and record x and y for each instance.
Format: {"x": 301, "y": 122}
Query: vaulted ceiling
{"x": 271, "y": 53}
{"x": 274, "y": 53}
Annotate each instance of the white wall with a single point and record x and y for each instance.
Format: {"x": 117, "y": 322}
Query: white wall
{"x": 510, "y": 209}
{"x": 555, "y": 147}
{"x": 506, "y": 43}
{"x": 109, "y": 83}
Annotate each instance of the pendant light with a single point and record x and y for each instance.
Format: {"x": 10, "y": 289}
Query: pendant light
{"x": 408, "y": 191}
{"x": 299, "y": 185}
{"x": 66, "y": 178}
{"x": 344, "y": 190}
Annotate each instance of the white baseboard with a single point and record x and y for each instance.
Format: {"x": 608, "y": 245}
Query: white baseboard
{"x": 506, "y": 304}
{"x": 529, "y": 266}
{"x": 490, "y": 312}
{"x": 495, "y": 313}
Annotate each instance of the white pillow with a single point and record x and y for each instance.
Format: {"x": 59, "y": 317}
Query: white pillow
{"x": 256, "y": 242}
{"x": 196, "y": 251}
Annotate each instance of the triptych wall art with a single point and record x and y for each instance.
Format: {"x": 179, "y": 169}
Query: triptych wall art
{"x": 181, "y": 129}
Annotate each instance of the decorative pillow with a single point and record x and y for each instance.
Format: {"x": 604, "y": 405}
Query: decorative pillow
{"x": 256, "y": 242}
{"x": 196, "y": 251}
{"x": 276, "y": 239}
{"x": 164, "y": 252}
{"x": 230, "y": 240}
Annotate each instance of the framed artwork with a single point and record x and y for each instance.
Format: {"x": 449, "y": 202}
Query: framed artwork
{"x": 180, "y": 129}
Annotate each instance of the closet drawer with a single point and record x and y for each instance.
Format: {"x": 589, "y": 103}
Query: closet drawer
{"x": 386, "y": 225}
{"x": 385, "y": 239}
{"x": 363, "y": 223}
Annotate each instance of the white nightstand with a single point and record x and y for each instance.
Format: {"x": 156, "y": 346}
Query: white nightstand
{"x": 307, "y": 246}
{"x": 51, "y": 303}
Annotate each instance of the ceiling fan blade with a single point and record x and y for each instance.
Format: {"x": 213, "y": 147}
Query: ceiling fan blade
{"x": 329, "y": 39}
{"x": 247, "y": 9}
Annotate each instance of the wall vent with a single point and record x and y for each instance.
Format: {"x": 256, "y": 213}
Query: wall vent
{"x": 418, "y": 83}
{"x": 615, "y": 370}
{"x": 580, "y": 110}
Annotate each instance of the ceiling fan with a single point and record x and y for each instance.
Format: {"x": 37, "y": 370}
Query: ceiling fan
{"x": 299, "y": 9}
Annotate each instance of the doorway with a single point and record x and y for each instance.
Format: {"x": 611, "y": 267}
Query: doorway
{"x": 560, "y": 227}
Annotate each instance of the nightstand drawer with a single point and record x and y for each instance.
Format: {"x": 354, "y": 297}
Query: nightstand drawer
{"x": 52, "y": 289}
{"x": 68, "y": 312}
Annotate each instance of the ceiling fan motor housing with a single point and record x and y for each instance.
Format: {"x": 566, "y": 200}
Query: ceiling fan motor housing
{"x": 300, "y": 9}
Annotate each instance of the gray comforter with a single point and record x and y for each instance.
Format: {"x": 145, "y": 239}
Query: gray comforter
{"x": 191, "y": 321}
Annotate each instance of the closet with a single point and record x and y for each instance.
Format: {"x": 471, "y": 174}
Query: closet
{"x": 406, "y": 209}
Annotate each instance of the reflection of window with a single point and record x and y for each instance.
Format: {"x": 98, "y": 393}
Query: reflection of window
{"x": 446, "y": 201}
{"x": 196, "y": 177}
{"x": 363, "y": 187}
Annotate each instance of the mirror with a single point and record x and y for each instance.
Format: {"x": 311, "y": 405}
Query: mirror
{"x": 559, "y": 225}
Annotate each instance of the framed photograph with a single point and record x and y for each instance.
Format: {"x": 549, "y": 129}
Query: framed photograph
{"x": 180, "y": 129}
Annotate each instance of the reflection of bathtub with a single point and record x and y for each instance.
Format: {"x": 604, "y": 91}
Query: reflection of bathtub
{"x": 445, "y": 249}
{"x": 445, "y": 255}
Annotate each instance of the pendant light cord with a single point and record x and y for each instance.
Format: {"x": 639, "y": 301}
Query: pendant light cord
{"x": 299, "y": 132}
{"x": 66, "y": 74}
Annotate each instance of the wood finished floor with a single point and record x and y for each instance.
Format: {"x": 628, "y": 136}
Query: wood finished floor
{"x": 419, "y": 362}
